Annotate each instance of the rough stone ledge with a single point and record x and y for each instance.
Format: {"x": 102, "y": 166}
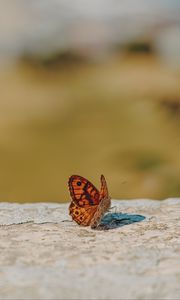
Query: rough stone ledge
{"x": 43, "y": 257}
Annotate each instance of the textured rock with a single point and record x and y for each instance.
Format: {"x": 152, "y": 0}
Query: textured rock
{"x": 43, "y": 257}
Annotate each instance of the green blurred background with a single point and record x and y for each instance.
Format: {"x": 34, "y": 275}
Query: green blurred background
{"x": 89, "y": 88}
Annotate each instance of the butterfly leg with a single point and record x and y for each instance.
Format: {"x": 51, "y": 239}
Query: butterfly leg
{"x": 112, "y": 208}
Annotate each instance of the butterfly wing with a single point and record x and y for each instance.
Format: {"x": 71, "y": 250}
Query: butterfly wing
{"x": 82, "y": 215}
{"x": 88, "y": 205}
{"x": 85, "y": 199}
{"x": 83, "y": 192}
{"x": 104, "y": 205}
{"x": 104, "y": 189}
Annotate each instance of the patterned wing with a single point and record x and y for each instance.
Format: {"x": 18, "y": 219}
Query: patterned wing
{"x": 88, "y": 205}
{"x": 83, "y": 192}
{"x": 82, "y": 215}
{"x": 104, "y": 189}
{"x": 104, "y": 205}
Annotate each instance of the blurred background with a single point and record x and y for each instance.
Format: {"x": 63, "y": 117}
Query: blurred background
{"x": 89, "y": 87}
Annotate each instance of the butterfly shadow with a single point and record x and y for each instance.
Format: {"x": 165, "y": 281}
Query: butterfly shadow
{"x": 116, "y": 220}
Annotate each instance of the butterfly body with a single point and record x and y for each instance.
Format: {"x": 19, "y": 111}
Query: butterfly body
{"x": 88, "y": 205}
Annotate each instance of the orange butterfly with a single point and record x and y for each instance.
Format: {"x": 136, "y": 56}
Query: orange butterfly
{"x": 88, "y": 205}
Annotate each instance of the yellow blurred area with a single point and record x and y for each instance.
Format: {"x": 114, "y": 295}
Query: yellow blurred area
{"x": 119, "y": 118}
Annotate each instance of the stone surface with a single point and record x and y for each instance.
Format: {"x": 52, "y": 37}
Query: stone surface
{"x": 44, "y": 256}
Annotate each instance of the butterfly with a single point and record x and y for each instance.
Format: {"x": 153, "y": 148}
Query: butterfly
{"x": 88, "y": 205}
